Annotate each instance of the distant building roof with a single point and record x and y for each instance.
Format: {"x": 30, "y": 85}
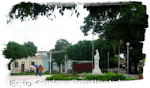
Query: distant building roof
{"x": 46, "y": 52}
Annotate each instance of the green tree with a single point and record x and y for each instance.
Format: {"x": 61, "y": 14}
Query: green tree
{"x": 15, "y": 51}
{"x": 104, "y": 47}
{"x": 58, "y": 57}
{"x": 24, "y": 10}
{"x": 80, "y": 51}
{"x": 61, "y": 45}
{"x": 33, "y": 10}
{"x": 83, "y": 50}
{"x": 31, "y": 48}
{"x": 129, "y": 27}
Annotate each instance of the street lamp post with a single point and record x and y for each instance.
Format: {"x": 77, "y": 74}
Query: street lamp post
{"x": 50, "y": 63}
{"x": 92, "y": 48}
{"x": 108, "y": 59}
{"x": 128, "y": 44}
{"x": 119, "y": 62}
{"x": 65, "y": 64}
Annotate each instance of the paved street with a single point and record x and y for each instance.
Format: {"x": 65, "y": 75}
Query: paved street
{"x": 27, "y": 77}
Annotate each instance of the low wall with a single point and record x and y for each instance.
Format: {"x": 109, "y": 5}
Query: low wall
{"x": 82, "y": 67}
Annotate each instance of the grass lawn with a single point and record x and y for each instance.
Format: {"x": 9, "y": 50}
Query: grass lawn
{"x": 88, "y": 76}
{"x": 35, "y": 73}
{"x": 23, "y": 74}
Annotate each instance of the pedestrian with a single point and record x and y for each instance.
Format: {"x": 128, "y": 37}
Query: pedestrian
{"x": 41, "y": 69}
{"x": 37, "y": 70}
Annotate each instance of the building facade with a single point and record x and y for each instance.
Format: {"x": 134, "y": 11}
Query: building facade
{"x": 23, "y": 65}
{"x": 40, "y": 58}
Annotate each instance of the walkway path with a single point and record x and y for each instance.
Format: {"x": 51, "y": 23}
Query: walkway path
{"x": 19, "y": 80}
{"x": 29, "y": 80}
{"x": 123, "y": 71}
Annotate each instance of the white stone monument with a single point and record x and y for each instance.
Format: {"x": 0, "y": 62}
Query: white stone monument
{"x": 96, "y": 69}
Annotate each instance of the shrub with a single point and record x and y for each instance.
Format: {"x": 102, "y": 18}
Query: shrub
{"x": 30, "y": 73}
{"x": 62, "y": 77}
{"x": 76, "y": 78}
{"x": 23, "y": 74}
{"x": 57, "y": 77}
{"x": 106, "y": 77}
{"x": 140, "y": 76}
{"x": 93, "y": 77}
{"x": 74, "y": 73}
{"x": 84, "y": 73}
{"x": 115, "y": 77}
{"x": 52, "y": 72}
{"x": 104, "y": 70}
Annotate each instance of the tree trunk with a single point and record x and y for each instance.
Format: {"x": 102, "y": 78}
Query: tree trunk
{"x": 114, "y": 49}
{"x": 9, "y": 64}
{"x": 59, "y": 68}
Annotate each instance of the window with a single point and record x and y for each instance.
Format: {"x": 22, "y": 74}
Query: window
{"x": 32, "y": 63}
{"x": 16, "y": 64}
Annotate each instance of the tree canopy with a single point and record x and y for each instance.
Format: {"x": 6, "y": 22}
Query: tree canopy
{"x": 33, "y": 10}
{"x": 80, "y": 51}
{"x": 23, "y": 10}
{"x": 83, "y": 51}
{"x": 120, "y": 24}
{"x": 61, "y": 45}
{"x": 31, "y": 48}
{"x": 99, "y": 15}
{"x": 15, "y": 51}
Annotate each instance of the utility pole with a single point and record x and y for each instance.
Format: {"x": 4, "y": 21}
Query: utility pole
{"x": 65, "y": 64}
{"x": 108, "y": 59}
{"x": 50, "y": 63}
{"x": 128, "y": 44}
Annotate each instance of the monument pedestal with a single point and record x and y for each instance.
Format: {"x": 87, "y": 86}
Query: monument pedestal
{"x": 96, "y": 69}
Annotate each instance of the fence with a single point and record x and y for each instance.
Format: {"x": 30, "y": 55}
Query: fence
{"x": 82, "y": 67}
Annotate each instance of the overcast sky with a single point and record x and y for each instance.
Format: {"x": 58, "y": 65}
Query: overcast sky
{"x": 44, "y": 32}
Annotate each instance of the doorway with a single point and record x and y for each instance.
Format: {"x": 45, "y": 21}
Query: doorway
{"x": 22, "y": 68}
